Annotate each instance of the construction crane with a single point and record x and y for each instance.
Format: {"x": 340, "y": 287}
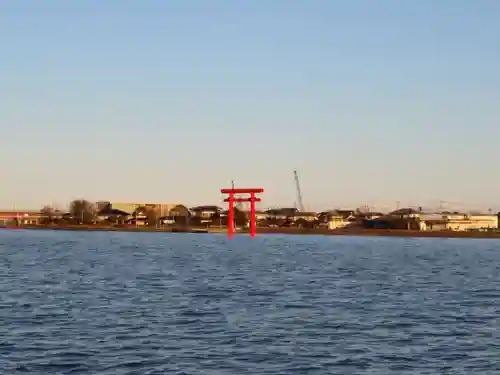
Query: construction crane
{"x": 299, "y": 194}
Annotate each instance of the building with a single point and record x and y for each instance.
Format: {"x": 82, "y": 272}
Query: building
{"x": 108, "y": 213}
{"x": 179, "y": 211}
{"x": 338, "y": 219}
{"x": 337, "y": 222}
{"x": 260, "y": 215}
{"x": 162, "y": 209}
{"x": 458, "y": 222}
{"x": 20, "y": 217}
{"x": 291, "y": 214}
{"x": 205, "y": 214}
{"x": 281, "y": 213}
{"x": 305, "y": 215}
{"x": 405, "y": 213}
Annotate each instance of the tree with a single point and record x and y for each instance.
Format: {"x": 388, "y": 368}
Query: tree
{"x": 151, "y": 217}
{"x": 180, "y": 214}
{"x": 240, "y": 218}
{"x": 47, "y": 213}
{"x": 179, "y": 210}
{"x": 140, "y": 212}
{"x": 83, "y": 211}
{"x": 103, "y": 206}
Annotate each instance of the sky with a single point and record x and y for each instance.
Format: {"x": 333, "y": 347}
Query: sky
{"x": 373, "y": 102}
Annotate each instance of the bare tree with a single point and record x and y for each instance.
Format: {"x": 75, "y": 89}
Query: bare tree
{"x": 151, "y": 217}
{"x": 82, "y": 211}
{"x": 240, "y": 218}
{"x": 47, "y": 213}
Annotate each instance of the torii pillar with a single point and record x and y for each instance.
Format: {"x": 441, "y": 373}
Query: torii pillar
{"x": 231, "y": 200}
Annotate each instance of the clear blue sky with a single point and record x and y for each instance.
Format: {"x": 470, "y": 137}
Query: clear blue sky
{"x": 373, "y": 101}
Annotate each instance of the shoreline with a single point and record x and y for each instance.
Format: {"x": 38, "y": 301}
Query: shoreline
{"x": 288, "y": 231}
{"x": 100, "y": 228}
{"x": 382, "y": 233}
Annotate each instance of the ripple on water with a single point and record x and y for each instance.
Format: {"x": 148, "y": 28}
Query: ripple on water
{"x": 125, "y": 303}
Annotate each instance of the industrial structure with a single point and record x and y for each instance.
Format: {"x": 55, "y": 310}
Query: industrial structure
{"x": 300, "y": 203}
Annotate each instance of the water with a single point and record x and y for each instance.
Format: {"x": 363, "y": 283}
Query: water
{"x": 151, "y": 303}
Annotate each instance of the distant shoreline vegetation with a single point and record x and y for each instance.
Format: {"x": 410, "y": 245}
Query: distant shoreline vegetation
{"x": 83, "y": 214}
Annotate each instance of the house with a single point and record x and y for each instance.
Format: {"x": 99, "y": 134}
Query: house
{"x": 292, "y": 214}
{"x": 205, "y": 213}
{"x": 337, "y": 222}
{"x": 108, "y": 213}
{"x": 369, "y": 215}
{"x": 179, "y": 214}
{"x": 403, "y": 219}
{"x": 337, "y": 219}
{"x": 20, "y": 217}
{"x": 260, "y": 215}
{"x": 161, "y": 209}
{"x": 167, "y": 220}
{"x": 345, "y": 213}
{"x": 405, "y": 213}
{"x": 134, "y": 212}
{"x": 418, "y": 220}
{"x": 304, "y": 215}
{"x": 281, "y": 213}
{"x": 434, "y": 224}
{"x": 179, "y": 211}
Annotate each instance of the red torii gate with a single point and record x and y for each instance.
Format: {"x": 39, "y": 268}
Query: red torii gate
{"x": 231, "y": 200}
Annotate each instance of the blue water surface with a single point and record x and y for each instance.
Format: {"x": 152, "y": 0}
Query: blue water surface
{"x": 151, "y": 303}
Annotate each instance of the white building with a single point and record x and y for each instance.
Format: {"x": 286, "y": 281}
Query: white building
{"x": 458, "y": 222}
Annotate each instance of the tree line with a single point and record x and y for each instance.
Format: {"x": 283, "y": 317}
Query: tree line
{"x": 81, "y": 211}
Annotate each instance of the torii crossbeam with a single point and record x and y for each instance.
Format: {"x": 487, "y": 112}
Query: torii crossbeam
{"x": 231, "y": 200}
